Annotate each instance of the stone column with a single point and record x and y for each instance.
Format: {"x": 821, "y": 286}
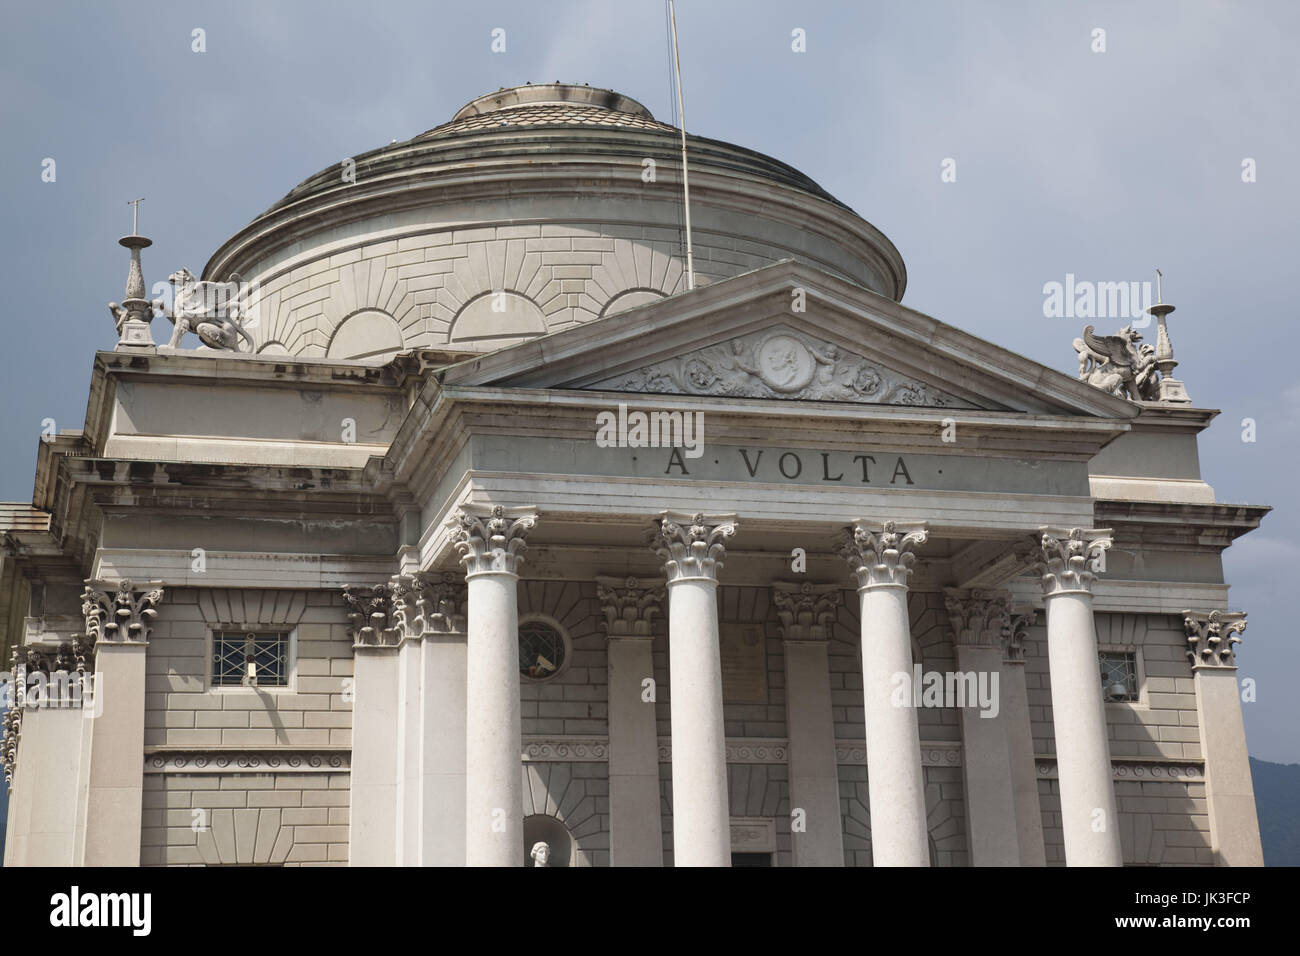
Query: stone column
{"x": 118, "y": 623}
{"x": 1230, "y": 794}
{"x": 410, "y": 636}
{"x": 1020, "y": 743}
{"x": 490, "y": 541}
{"x": 882, "y": 562}
{"x": 692, "y": 550}
{"x": 442, "y": 600}
{"x": 807, "y": 614}
{"x": 979, "y": 618}
{"x": 1078, "y": 713}
{"x": 373, "y": 827}
{"x": 636, "y": 835}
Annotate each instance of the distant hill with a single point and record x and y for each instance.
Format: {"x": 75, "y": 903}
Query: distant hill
{"x": 1277, "y": 800}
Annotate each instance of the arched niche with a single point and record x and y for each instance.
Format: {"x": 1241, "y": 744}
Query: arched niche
{"x": 497, "y": 319}
{"x": 369, "y": 333}
{"x": 631, "y": 299}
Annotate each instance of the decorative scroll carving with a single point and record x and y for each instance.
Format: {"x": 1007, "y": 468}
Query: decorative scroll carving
{"x": 247, "y": 761}
{"x": 1212, "y": 637}
{"x": 1136, "y": 768}
{"x": 629, "y": 608}
{"x": 806, "y": 611}
{"x": 933, "y": 753}
{"x": 1013, "y": 639}
{"x": 372, "y": 616}
{"x": 883, "y": 558}
{"x": 691, "y": 546}
{"x": 121, "y": 616}
{"x": 491, "y": 539}
{"x": 979, "y": 618}
{"x": 1066, "y": 557}
{"x": 780, "y": 362}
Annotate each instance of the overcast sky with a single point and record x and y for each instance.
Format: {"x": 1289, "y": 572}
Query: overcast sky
{"x": 1105, "y": 165}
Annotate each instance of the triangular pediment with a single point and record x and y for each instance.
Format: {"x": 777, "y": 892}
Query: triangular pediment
{"x": 788, "y": 331}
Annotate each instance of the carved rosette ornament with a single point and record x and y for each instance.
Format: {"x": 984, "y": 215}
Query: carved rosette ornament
{"x": 1212, "y": 637}
{"x": 1013, "y": 638}
{"x": 883, "y": 558}
{"x": 1067, "y": 558}
{"x": 691, "y": 546}
{"x": 490, "y": 540}
{"x": 119, "y": 614}
{"x": 371, "y": 615}
{"x": 629, "y": 607}
{"x": 979, "y": 618}
{"x": 806, "y": 610}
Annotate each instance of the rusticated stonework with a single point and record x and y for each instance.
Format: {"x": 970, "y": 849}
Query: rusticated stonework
{"x": 1212, "y": 637}
{"x": 780, "y": 362}
{"x": 1067, "y": 558}
{"x": 806, "y": 610}
{"x": 883, "y": 558}
{"x": 691, "y": 545}
{"x": 628, "y": 606}
{"x": 491, "y": 539}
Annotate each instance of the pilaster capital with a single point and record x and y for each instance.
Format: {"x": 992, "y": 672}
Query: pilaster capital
{"x": 979, "y": 618}
{"x": 883, "y": 558}
{"x": 691, "y": 545}
{"x": 629, "y": 606}
{"x": 427, "y": 602}
{"x": 1013, "y": 640}
{"x": 806, "y": 610}
{"x": 490, "y": 538}
{"x": 371, "y": 614}
{"x": 1212, "y": 637}
{"x": 1066, "y": 558}
{"x": 120, "y": 613}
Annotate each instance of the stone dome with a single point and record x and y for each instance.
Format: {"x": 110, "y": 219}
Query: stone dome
{"x": 533, "y": 209}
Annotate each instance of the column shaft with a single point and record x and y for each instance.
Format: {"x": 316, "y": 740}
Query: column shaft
{"x": 636, "y": 835}
{"x": 1020, "y": 749}
{"x": 372, "y": 835}
{"x": 442, "y": 798}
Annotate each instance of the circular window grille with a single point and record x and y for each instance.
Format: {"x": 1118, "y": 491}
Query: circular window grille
{"x": 542, "y": 650}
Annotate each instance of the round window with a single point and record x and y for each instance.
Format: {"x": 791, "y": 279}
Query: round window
{"x": 542, "y": 649}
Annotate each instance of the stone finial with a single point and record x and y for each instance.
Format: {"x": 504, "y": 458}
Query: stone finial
{"x": 1169, "y": 388}
{"x": 1066, "y": 559}
{"x": 979, "y": 618}
{"x": 1212, "y": 637}
{"x": 133, "y": 316}
{"x": 883, "y": 558}
{"x": 371, "y": 615}
{"x": 806, "y": 610}
{"x": 490, "y": 539}
{"x": 691, "y": 545}
{"x": 629, "y": 607}
{"x": 119, "y": 614}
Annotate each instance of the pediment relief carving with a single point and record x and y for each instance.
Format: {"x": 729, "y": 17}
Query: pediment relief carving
{"x": 780, "y": 362}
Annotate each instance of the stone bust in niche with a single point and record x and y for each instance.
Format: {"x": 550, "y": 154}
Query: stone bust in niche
{"x": 541, "y": 853}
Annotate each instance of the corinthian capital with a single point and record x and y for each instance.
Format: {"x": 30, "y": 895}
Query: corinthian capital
{"x": 806, "y": 610}
{"x": 119, "y": 613}
{"x": 371, "y": 614}
{"x": 490, "y": 538}
{"x": 979, "y": 618}
{"x": 1013, "y": 640}
{"x": 441, "y": 598}
{"x": 1066, "y": 556}
{"x": 629, "y": 607}
{"x": 1212, "y": 637}
{"x": 691, "y": 545}
{"x": 883, "y": 558}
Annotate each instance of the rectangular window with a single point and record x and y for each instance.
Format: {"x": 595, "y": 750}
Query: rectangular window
{"x": 1119, "y": 677}
{"x": 250, "y": 659}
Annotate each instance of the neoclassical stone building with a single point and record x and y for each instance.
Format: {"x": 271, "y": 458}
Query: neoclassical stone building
{"x": 484, "y": 523}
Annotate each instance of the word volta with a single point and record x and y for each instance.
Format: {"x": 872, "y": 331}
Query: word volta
{"x": 824, "y": 466}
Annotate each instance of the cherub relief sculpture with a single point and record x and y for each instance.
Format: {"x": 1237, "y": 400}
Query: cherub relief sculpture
{"x": 211, "y": 310}
{"x": 1117, "y": 364}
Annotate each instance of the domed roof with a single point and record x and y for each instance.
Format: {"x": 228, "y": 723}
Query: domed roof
{"x": 532, "y": 209}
